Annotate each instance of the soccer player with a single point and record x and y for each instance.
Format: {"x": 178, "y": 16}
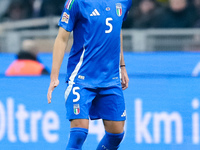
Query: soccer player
{"x": 93, "y": 72}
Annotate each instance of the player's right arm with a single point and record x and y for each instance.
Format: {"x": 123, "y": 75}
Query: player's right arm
{"x": 58, "y": 54}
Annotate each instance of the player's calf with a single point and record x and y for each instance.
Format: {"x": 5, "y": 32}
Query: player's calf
{"x": 110, "y": 141}
{"x": 77, "y": 138}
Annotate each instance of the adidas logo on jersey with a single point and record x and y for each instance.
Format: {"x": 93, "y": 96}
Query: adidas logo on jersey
{"x": 124, "y": 114}
{"x": 95, "y": 13}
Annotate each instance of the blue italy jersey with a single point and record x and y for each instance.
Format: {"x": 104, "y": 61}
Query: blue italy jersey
{"x": 95, "y": 55}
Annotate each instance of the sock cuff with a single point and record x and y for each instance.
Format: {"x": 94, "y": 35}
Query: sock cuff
{"x": 79, "y": 130}
{"x": 113, "y": 134}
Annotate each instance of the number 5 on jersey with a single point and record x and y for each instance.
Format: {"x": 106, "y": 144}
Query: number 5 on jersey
{"x": 77, "y": 94}
{"x": 109, "y": 25}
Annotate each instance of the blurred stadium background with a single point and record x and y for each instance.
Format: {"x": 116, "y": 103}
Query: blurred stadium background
{"x": 161, "y": 44}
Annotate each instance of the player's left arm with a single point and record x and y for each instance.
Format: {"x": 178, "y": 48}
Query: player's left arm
{"x": 124, "y": 75}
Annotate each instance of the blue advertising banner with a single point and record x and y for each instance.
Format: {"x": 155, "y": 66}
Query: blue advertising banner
{"x": 162, "y": 104}
{"x": 142, "y": 64}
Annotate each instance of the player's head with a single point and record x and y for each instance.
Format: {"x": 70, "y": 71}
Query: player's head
{"x": 177, "y": 5}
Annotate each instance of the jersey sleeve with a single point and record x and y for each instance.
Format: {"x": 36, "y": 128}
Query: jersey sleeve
{"x": 69, "y": 15}
{"x": 129, "y": 3}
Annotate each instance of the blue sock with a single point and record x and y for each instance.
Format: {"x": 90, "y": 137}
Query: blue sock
{"x": 77, "y": 138}
{"x": 110, "y": 141}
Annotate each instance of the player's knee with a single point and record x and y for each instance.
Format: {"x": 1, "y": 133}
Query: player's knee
{"x": 115, "y": 127}
{"x": 77, "y": 138}
{"x": 80, "y": 123}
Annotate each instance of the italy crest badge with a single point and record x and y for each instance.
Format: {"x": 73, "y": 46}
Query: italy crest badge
{"x": 119, "y": 9}
{"x": 76, "y": 109}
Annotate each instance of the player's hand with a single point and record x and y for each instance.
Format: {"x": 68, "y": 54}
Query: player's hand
{"x": 124, "y": 78}
{"x": 53, "y": 84}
